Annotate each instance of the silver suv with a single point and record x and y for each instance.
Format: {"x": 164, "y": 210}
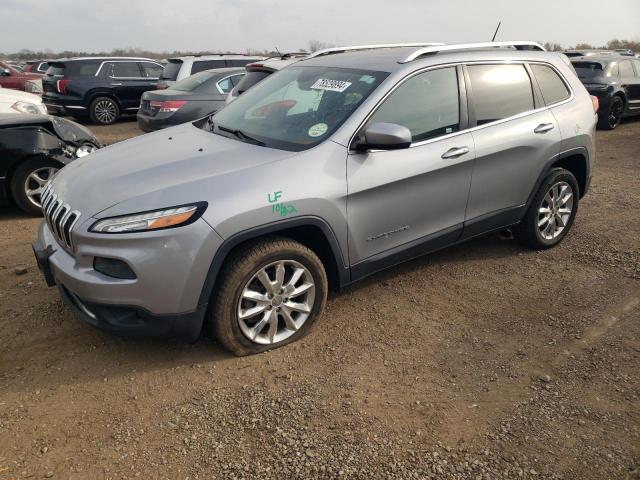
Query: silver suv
{"x": 328, "y": 171}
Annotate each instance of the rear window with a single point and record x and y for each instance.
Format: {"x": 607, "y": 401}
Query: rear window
{"x": 552, "y": 86}
{"x": 201, "y": 65}
{"x": 250, "y": 79}
{"x": 199, "y": 81}
{"x": 171, "y": 70}
{"x": 74, "y": 69}
{"x": 500, "y": 91}
{"x": 588, "y": 69}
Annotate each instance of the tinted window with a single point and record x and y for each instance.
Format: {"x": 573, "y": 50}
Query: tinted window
{"x": 75, "y": 69}
{"x": 500, "y": 91}
{"x": 626, "y": 69}
{"x": 151, "y": 70}
{"x": 171, "y": 70}
{"x": 200, "y": 65}
{"x": 428, "y": 104}
{"x": 553, "y": 88}
{"x": 588, "y": 69}
{"x": 250, "y": 79}
{"x": 126, "y": 70}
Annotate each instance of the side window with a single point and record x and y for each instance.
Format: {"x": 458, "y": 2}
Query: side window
{"x": 626, "y": 69}
{"x": 226, "y": 85}
{"x": 151, "y": 70}
{"x": 614, "y": 71}
{"x": 428, "y": 104}
{"x": 636, "y": 63}
{"x": 201, "y": 65}
{"x": 500, "y": 91}
{"x": 235, "y": 79}
{"x": 553, "y": 88}
{"x": 126, "y": 70}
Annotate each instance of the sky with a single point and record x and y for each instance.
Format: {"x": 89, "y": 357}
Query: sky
{"x": 289, "y": 25}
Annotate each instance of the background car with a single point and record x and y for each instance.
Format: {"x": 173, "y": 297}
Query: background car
{"x": 178, "y": 68}
{"x": 256, "y": 72}
{"x": 187, "y": 100}
{"x": 14, "y": 101}
{"x": 102, "y": 88}
{"x": 32, "y": 149}
{"x": 36, "y": 66}
{"x": 615, "y": 80}
{"x": 12, "y": 78}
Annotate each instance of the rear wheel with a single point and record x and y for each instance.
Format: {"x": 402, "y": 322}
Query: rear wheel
{"x": 611, "y": 118}
{"x": 28, "y": 182}
{"x": 104, "y": 111}
{"x": 271, "y": 292}
{"x": 551, "y": 213}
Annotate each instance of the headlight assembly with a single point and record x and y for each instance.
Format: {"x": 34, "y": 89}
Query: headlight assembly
{"x": 85, "y": 149}
{"x": 148, "y": 221}
{"x": 26, "y": 107}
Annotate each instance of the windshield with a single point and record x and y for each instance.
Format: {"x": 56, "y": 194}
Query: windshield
{"x": 296, "y": 108}
{"x": 171, "y": 70}
{"x": 193, "y": 82}
{"x": 588, "y": 69}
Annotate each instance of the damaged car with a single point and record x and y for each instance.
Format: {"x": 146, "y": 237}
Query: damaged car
{"x": 32, "y": 150}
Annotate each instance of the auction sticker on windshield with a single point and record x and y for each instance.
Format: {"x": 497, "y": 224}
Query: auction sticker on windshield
{"x": 331, "y": 85}
{"x": 318, "y": 130}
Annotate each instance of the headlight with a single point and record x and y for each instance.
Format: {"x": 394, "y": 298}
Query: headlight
{"x": 85, "y": 149}
{"x": 143, "y": 222}
{"x": 26, "y": 107}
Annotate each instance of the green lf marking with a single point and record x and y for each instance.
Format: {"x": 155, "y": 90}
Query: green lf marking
{"x": 275, "y": 197}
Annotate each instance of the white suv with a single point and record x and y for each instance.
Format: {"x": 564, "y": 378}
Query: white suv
{"x": 182, "y": 67}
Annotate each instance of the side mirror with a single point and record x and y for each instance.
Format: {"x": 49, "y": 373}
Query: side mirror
{"x": 385, "y": 136}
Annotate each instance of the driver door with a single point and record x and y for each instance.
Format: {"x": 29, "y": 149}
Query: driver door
{"x": 402, "y": 203}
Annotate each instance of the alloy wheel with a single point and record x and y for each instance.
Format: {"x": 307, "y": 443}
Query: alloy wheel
{"x": 276, "y": 302}
{"x": 35, "y": 182}
{"x": 615, "y": 113}
{"x": 105, "y": 111}
{"x": 555, "y": 211}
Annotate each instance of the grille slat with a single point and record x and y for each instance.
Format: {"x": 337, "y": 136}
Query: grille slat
{"x": 60, "y": 217}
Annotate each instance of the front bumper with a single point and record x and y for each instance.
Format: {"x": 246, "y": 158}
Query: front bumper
{"x": 163, "y": 300}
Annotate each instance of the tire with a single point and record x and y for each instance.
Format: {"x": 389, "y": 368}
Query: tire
{"x": 239, "y": 275}
{"x": 32, "y": 175}
{"x": 533, "y": 232}
{"x": 611, "y": 118}
{"x": 104, "y": 111}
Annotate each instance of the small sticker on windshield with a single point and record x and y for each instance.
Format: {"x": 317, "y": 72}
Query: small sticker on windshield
{"x": 367, "y": 79}
{"x": 331, "y": 85}
{"x": 318, "y": 130}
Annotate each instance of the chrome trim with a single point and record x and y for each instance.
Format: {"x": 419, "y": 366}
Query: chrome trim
{"x": 471, "y": 46}
{"x": 328, "y": 51}
{"x": 477, "y": 127}
{"x": 57, "y": 215}
{"x": 73, "y": 106}
{"x": 125, "y": 59}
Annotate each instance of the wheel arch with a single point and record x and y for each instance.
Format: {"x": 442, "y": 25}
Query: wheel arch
{"x": 93, "y": 94}
{"x": 577, "y": 163}
{"x": 313, "y": 232}
{"x": 17, "y": 164}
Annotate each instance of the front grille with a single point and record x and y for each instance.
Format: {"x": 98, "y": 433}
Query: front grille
{"x": 60, "y": 217}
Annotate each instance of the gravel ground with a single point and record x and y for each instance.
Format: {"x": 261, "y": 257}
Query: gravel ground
{"x": 483, "y": 361}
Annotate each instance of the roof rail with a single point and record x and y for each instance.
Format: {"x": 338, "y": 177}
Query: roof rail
{"x": 329, "y": 51}
{"x": 518, "y": 45}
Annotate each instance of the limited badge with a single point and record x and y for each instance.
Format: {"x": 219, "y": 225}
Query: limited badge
{"x": 318, "y": 130}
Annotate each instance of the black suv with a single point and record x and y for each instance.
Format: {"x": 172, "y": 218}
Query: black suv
{"x": 101, "y": 88}
{"x": 615, "y": 80}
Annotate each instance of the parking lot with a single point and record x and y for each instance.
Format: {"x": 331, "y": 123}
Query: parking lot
{"x": 485, "y": 360}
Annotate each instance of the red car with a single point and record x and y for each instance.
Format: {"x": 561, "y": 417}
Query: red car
{"x": 36, "y": 66}
{"x": 12, "y": 78}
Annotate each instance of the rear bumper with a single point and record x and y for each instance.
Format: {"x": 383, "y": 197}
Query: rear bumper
{"x": 59, "y": 104}
{"x": 151, "y": 124}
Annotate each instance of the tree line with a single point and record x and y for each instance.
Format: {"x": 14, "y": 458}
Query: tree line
{"x": 314, "y": 45}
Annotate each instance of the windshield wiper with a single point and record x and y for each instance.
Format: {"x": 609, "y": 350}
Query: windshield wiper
{"x": 241, "y": 135}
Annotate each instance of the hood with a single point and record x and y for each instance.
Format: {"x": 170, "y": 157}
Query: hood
{"x": 169, "y": 167}
{"x": 7, "y": 94}
{"x": 66, "y": 130}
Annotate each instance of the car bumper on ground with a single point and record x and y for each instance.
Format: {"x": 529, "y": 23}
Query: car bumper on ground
{"x": 152, "y": 304}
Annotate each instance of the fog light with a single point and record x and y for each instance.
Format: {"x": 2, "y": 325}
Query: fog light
{"x": 113, "y": 268}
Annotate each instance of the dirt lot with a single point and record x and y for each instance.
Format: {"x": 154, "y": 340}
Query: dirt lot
{"x": 483, "y": 361}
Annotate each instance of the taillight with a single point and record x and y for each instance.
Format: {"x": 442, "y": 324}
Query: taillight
{"x": 167, "y": 106}
{"x": 596, "y": 103}
{"x": 62, "y": 86}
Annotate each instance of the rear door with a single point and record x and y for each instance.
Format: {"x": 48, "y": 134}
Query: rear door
{"x": 632, "y": 81}
{"x": 129, "y": 83}
{"x": 515, "y": 136}
{"x": 401, "y": 200}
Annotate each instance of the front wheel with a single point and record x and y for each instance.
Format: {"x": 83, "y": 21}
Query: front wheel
{"x": 29, "y": 180}
{"x": 104, "y": 111}
{"x": 270, "y": 294}
{"x": 552, "y": 212}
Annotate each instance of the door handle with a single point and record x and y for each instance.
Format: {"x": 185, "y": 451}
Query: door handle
{"x": 455, "y": 152}
{"x": 116, "y": 84}
{"x": 543, "y": 128}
